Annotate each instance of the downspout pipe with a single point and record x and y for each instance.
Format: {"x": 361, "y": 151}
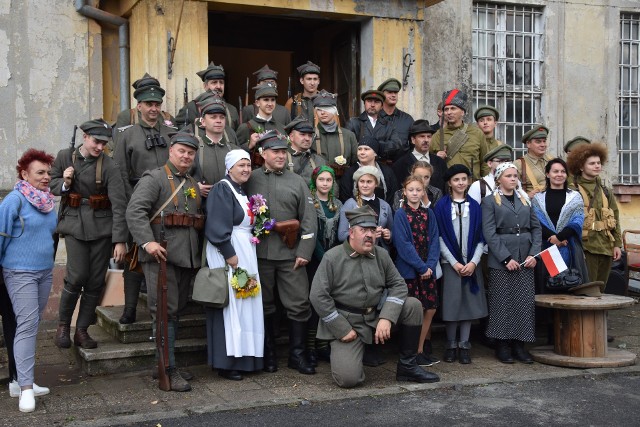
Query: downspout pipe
{"x": 123, "y": 42}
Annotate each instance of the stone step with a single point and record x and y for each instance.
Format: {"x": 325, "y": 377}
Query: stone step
{"x": 191, "y": 325}
{"x": 112, "y": 356}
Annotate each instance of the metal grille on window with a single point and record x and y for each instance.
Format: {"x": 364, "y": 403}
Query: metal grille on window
{"x": 507, "y": 64}
{"x": 629, "y": 100}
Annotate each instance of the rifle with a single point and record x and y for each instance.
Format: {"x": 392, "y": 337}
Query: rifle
{"x": 185, "y": 99}
{"x": 240, "y": 109}
{"x": 162, "y": 330}
{"x": 246, "y": 95}
{"x": 63, "y": 199}
{"x": 289, "y": 88}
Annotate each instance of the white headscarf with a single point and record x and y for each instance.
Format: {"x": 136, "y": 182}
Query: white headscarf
{"x": 233, "y": 157}
{"x": 522, "y": 195}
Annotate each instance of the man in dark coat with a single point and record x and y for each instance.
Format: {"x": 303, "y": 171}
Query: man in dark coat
{"x": 397, "y": 118}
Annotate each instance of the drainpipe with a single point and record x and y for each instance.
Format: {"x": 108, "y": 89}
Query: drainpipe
{"x": 123, "y": 42}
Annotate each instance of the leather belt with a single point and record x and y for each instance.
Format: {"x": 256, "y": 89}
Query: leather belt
{"x": 512, "y": 230}
{"x": 354, "y": 310}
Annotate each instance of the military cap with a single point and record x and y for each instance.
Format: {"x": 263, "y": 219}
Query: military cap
{"x": 185, "y": 138}
{"x": 301, "y": 124}
{"x": 363, "y": 216}
{"x": 454, "y": 97}
{"x": 325, "y": 99}
{"x": 575, "y": 142}
{"x": 373, "y": 94}
{"x": 538, "y": 131}
{"x": 390, "y": 85}
{"x": 265, "y": 90}
{"x": 370, "y": 142}
{"x": 420, "y": 126}
{"x": 146, "y": 80}
{"x": 455, "y": 170}
{"x": 486, "y": 110}
{"x": 213, "y": 105}
{"x": 98, "y": 128}
{"x": 273, "y": 140}
{"x": 265, "y": 73}
{"x": 308, "y": 68}
{"x": 149, "y": 93}
{"x": 502, "y": 151}
{"x": 212, "y": 72}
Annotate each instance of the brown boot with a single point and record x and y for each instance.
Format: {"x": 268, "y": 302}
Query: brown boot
{"x": 177, "y": 382}
{"x": 82, "y": 339}
{"x": 62, "y": 339}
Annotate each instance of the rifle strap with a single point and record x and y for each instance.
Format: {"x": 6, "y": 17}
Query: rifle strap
{"x": 528, "y": 173}
{"x": 173, "y": 196}
{"x": 456, "y": 142}
{"x": 306, "y": 159}
{"x": 226, "y": 109}
{"x": 74, "y": 157}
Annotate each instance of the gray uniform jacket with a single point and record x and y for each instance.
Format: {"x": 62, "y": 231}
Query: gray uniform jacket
{"x": 84, "y": 223}
{"x": 391, "y": 147}
{"x": 328, "y": 145}
{"x": 303, "y": 163}
{"x": 280, "y": 114}
{"x": 133, "y": 157}
{"x": 183, "y": 248}
{"x": 189, "y": 112}
{"x": 256, "y": 125}
{"x": 288, "y": 197}
{"x": 505, "y": 219}
{"x": 357, "y": 281}
{"x": 209, "y": 164}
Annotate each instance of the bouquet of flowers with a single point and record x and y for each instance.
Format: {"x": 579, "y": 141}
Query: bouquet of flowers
{"x": 244, "y": 284}
{"x": 263, "y": 223}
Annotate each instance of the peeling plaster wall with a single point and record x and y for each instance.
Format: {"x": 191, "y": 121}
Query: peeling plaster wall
{"x": 44, "y": 78}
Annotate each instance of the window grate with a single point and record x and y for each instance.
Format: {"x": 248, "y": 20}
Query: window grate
{"x": 629, "y": 100}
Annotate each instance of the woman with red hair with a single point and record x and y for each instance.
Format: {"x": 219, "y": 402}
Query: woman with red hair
{"x": 27, "y": 223}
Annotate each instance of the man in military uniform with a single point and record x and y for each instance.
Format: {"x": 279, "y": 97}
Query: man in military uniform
{"x": 347, "y": 292}
{"x": 213, "y": 81}
{"x": 575, "y": 142}
{"x": 421, "y": 133}
{"x": 280, "y": 113}
{"x": 214, "y": 146}
{"x": 336, "y": 144}
{"x": 301, "y": 160}
{"x": 601, "y": 237}
{"x": 150, "y": 214}
{"x": 93, "y": 223}
{"x": 485, "y": 185}
{"x": 398, "y": 119}
{"x": 301, "y": 104}
{"x": 531, "y": 166}
{"x": 139, "y": 148}
{"x": 369, "y": 123}
{"x": 458, "y": 142}
{"x": 487, "y": 119}
{"x": 249, "y": 133}
{"x": 288, "y": 198}
{"x": 132, "y": 115}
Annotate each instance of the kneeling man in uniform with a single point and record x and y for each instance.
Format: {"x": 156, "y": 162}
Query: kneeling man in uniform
{"x": 348, "y": 292}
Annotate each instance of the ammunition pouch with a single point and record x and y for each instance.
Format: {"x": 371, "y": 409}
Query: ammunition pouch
{"x": 182, "y": 220}
{"x": 99, "y": 201}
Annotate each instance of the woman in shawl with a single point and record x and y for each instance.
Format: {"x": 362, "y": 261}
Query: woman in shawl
{"x": 461, "y": 244}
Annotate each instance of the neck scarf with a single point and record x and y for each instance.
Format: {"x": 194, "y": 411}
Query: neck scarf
{"x": 41, "y": 200}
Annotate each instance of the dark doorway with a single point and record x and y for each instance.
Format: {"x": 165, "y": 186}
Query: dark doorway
{"x": 244, "y": 42}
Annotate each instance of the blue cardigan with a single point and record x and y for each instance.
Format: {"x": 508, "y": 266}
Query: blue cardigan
{"x": 33, "y": 251}
{"x": 408, "y": 262}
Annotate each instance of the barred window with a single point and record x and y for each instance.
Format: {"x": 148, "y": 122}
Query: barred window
{"x": 628, "y": 98}
{"x": 507, "y": 64}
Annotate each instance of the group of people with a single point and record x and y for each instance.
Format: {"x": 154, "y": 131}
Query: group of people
{"x": 352, "y": 229}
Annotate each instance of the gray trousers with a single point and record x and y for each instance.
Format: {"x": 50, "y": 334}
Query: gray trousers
{"x": 346, "y": 357}
{"x": 29, "y": 293}
{"x": 293, "y": 288}
{"x": 179, "y": 281}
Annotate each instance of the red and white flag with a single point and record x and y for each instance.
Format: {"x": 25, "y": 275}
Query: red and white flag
{"x": 553, "y": 261}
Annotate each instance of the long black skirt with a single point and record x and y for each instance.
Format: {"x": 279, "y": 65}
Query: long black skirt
{"x": 217, "y": 348}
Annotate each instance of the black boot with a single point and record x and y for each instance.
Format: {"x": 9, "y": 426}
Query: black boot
{"x": 372, "y": 356}
{"x": 63, "y": 336}
{"x": 297, "y": 352}
{"x": 132, "y": 281}
{"x": 408, "y": 369}
{"x": 464, "y": 352}
{"x": 503, "y": 351}
{"x": 450, "y": 353}
{"x": 519, "y": 352}
{"x": 270, "y": 357}
{"x": 312, "y": 330}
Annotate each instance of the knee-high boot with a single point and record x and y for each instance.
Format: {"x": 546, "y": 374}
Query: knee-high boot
{"x": 132, "y": 282}
{"x": 408, "y": 369}
{"x": 68, "y": 301}
{"x": 297, "y": 353}
{"x": 86, "y": 317}
{"x": 270, "y": 356}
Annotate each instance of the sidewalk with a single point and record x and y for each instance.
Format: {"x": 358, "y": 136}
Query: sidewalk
{"x": 76, "y": 399}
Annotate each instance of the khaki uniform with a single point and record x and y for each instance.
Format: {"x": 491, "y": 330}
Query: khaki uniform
{"x": 330, "y": 145}
{"x": 490, "y": 144}
{"x": 280, "y": 114}
{"x": 256, "y": 125}
{"x": 303, "y": 163}
{"x": 89, "y": 233}
{"x": 288, "y": 197}
{"x": 533, "y": 178}
{"x": 470, "y": 154}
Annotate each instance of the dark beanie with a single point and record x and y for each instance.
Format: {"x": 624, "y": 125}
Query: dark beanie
{"x": 455, "y": 170}
{"x": 370, "y": 142}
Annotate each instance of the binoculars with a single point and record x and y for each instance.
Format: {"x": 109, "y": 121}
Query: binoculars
{"x": 155, "y": 141}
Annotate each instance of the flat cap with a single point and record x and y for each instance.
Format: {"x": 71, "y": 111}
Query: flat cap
{"x": 185, "y": 138}
{"x": 373, "y": 94}
{"x": 325, "y": 99}
{"x": 486, "y": 110}
{"x": 502, "y": 152}
{"x": 146, "y": 80}
{"x": 363, "y": 216}
{"x": 149, "y": 93}
{"x": 265, "y": 73}
{"x": 98, "y": 128}
{"x": 273, "y": 140}
{"x": 212, "y": 72}
{"x": 265, "y": 90}
{"x": 575, "y": 142}
{"x": 390, "y": 85}
{"x": 538, "y": 131}
{"x": 301, "y": 124}
{"x": 308, "y": 68}
{"x": 420, "y": 126}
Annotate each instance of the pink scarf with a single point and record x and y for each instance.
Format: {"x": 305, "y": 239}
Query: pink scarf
{"x": 41, "y": 200}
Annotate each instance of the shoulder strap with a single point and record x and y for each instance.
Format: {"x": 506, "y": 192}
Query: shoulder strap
{"x": 483, "y": 188}
{"x": 99, "y": 172}
{"x": 172, "y": 196}
{"x": 201, "y": 153}
{"x": 133, "y": 116}
{"x": 21, "y": 223}
{"x": 456, "y": 142}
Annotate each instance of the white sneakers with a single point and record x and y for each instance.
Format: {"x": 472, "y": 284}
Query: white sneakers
{"x": 27, "y": 401}
{"x": 14, "y": 389}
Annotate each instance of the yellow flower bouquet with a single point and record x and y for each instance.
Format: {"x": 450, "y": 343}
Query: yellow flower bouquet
{"x": 244, "y": 284}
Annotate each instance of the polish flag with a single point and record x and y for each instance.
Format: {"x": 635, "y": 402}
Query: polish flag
{"x": 553, "y": 261}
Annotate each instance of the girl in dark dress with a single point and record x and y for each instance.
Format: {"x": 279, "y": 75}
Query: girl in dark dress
{"x": 415, "y": 236}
